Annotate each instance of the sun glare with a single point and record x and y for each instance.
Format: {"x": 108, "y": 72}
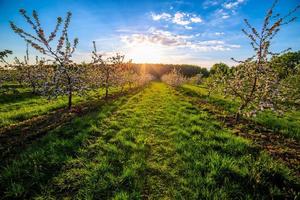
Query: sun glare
{"x": 146, "y": 53}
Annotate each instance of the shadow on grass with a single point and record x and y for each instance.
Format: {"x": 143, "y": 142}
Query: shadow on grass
{"x": 225, "y": 104}
{"x": 238, "y": 184}
{"x": 17, "y": 96}
{"x": 14, "y": 138}
{"x": 29, "y": 171}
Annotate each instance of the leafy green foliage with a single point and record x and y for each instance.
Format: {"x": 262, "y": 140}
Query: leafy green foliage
{"x": 286, "y": 64}
{"x": 220, "y": 68}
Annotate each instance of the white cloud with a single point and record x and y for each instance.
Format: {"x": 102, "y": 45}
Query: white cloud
{"x": 196, "y": 19}
{"x": 170, "y": 40}
{"x": 234, "y": 46}
{"x": 233, "y": 4}
{"x": 179, "y": 18}
{"x": 188, "y": 27}
{"x": 225, "y": 16}
{"x": 224, "y": 9}
{"x": 210, "y": 3}
{"x": 154, "y": 36}
{"x": 221, "y": 13}
{"x": 219, "y": 33}
{"x": 156, "y": 17}
{"x": 211, "y": 42}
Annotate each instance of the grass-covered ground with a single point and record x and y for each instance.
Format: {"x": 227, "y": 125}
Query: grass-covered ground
{"x": 152, "y": 145}
{"x": 21, "y": 104}
{"x": 287, "y": 124}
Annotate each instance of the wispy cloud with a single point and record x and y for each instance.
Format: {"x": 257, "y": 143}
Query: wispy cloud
{"x": 196, "y": 19}
{"x": 233, "y": 4}
{"x": 227, "y": 4}
{"x": 221, "y": 13}
{"x": 219, "y": 33}
{"x": 223, "y": 9}
{"x": 168, "y": 39}
{"x": 210, "y": 3}
{"x": 164, "y": 16}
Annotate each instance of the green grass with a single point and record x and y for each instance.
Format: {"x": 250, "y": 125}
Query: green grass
{"x": 201, "y": 92}
{"x": 288, "y": 124}
{"x": 157, "y": 145}
{"x": 23, "y": 105}
{"x": 32, "y": 168}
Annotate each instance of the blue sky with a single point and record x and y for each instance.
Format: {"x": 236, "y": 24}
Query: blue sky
{"x": 199, "y": 32}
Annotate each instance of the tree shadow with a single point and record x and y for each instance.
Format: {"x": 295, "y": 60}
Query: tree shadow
{"x": 44, "y": 156}
{"x": 257, "y": 186}
{"x": 14, "y": 97}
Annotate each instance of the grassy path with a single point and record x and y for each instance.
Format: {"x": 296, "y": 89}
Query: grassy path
{"x": 157, "y": 145}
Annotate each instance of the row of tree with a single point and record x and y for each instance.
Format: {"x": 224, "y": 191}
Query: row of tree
{"x": 158, "y": 70}
{"x": 57, "y": 74}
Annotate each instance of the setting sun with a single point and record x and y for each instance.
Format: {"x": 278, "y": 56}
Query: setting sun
{"x": 146, "y": 53}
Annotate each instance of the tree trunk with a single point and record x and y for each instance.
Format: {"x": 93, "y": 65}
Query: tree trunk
{"x": 70, "y": 95}
{"x": 237, "y": 116}
{"x": 106, "y": 85}
{"x": 239, "y": 112}
{"x": 70, "y": 100}
{"x": 33, "y": 88}
{"x": 106, "y": 92}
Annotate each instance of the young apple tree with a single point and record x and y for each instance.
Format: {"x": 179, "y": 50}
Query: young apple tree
{"x": 109, "y": 71}
{"x": 66, "y": 76}
{"x": 217, "y": 75}
{"x": 174, "y": 78}
{"x": 254, "y": 82}
{"x": 32, "y": 75}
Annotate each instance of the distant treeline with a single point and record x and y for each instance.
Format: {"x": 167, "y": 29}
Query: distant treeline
{"x": 158, "y": 70}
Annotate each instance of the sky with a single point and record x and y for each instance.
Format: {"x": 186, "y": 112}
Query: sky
{"x": 201, "y": 32}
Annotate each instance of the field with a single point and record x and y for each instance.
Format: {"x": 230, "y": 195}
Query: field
{"x": 153, "y": 142}
{"x": 166, "y": 100}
